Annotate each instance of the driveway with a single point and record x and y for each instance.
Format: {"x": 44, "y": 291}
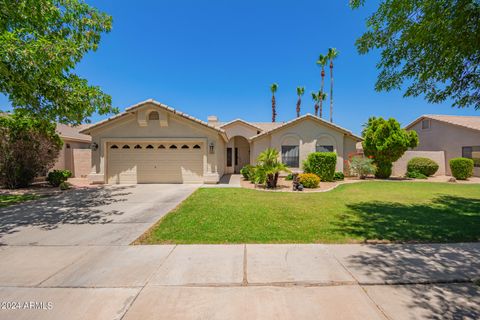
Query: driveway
{"x": 106, "y": 215}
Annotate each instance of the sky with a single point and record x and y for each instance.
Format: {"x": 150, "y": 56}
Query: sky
{"x": 219, "y": 57}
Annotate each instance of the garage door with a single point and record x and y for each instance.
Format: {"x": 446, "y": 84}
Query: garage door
{"x": 155, "y": 163}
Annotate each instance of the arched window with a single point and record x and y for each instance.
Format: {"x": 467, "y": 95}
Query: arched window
{"x": 126, "y": 146}
{"x": 149, "y": 146}
{"x": 153, "y": 115}
{"x": 114, "y": 146}
{"x": 161, "y": 146}
{"x": 185, "y": 147}
{"x": 138, "y": 146}
{"x": 196, "y": 146}
{"x": 173, "y": 146}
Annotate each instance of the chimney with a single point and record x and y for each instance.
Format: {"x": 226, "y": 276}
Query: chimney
{"x": 213, "y": 120}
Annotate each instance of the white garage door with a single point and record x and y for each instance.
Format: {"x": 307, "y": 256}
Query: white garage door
{"x": 155, "y": 162}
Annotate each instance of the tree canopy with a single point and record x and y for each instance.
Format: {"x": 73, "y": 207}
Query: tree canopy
{"x": 41, "y": 41}
{"x": 430, "y": 47}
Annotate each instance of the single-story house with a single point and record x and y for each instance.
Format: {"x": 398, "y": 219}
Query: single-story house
{"x": 456, "y": 136}
{"x": 75, "y": 154}
{"x": 153, "y": 143}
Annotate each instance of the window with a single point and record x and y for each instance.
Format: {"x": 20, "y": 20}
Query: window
{"x": 138, "y": 147}
{"x": 229, "y": 157}
{"x": 149, "y": 146}
{"x": 290, "y": 156}
{"x": 185, "y": 147}
{"x": 236, "y": 156}
{"x": 472, "y": 153}
{"x": 161, "y": 146}
{"x": 425, "y": 124}
{"x": 153, "y": 115}
{"x": 196, "y": 146}
{"x": 126, "y": 146}
{"x": 173, "y": 146}
{"x": 114, "y": 146}
{"x": 323, "y": 148}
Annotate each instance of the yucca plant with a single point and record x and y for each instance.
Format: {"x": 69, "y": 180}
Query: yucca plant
{"x": 268, "y": 168}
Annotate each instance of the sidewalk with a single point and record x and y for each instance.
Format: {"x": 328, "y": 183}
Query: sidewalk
{"x": 243, "y": 281}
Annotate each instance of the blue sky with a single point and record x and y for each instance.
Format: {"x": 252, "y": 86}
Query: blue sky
{"x": 220, "y": 57}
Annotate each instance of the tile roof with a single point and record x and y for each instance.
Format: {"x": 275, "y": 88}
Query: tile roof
{"x": 471, "y": 122}
{"x": 73, "y": 132}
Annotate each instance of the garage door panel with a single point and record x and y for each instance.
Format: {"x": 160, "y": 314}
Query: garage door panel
{"x": 155, "y": 166}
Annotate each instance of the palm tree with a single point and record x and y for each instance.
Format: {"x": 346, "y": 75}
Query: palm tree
{"x": 331, "y": 55}
{"x": 300, "y": 92}
{"x": 315, "y": 98}
{"x": 321, "y": 97}
{"x": 268, "y": 167}
{"x": 273, "y": 88}
{"x": 322, "y": 62}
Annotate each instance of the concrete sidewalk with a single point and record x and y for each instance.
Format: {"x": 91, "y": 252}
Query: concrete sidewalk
{"x": 307, "y": 281}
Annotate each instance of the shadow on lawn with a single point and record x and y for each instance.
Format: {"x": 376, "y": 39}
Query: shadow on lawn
{"x": 77, "y": 206}
{"x": 444, "y": 219}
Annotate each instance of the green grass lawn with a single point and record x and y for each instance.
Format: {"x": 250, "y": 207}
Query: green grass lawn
{"x": 6, "y": 200}
{"x": 394, "y": 211}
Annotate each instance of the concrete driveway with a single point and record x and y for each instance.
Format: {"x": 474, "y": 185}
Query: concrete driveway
{"x": 106, "y": 215}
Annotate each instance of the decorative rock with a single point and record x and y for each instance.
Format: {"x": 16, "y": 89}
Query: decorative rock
{"x": 452, "y": 179}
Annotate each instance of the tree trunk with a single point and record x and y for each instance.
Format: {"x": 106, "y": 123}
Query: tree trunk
{"x": 274, "y": 112}
{"x": 331, "y": 91}
{"x": 298, "y": 106}
{"x": 321, "y": 90}
{"x": 316, "y": 109}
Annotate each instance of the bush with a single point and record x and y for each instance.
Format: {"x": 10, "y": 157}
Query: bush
{"x": 64, "y": 186}
{"x": 309, "y": 180}
{"x": 57, "y": 177}
{"x": 384, "y": 170}
{"x": 338, "y": 176}
{"x": 361, "y": 166}
{"x": 462, "y": 168}
{"x": 415, "y": 175}
{"x": 247, "y": 171}
{"x": 322, "y": 164}
{"x": 289, "y": 177}
{"x": 425, "y": 166}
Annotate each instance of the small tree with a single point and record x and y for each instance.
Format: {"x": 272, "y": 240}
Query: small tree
{"x": 385, "y": 141}
{"x": 268, "y": 167}
{"x": 28, "y": 148}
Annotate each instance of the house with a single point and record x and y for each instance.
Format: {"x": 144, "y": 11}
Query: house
{"x": 456, "y": 136}
{"x": 152, "y": 143}
{"x": 75, "y": 154}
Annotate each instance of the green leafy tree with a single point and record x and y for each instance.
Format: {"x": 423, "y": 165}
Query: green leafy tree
{"x": 28, "y": 148}
{"x": 273, "y": 89}
{"x": 300, "y": 92}
{"x": 41, "y": 41}
{"x": 429, "y": 47}
{"x": 385, "y": 142}
{"x": 268, "y": 167}
{"x": 322, "y": 62}
{"x": 331, "y": 55}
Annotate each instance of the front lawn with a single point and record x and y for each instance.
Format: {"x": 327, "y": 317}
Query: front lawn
{"x": 9, "y": 199}
{"x": 394, "y": 211}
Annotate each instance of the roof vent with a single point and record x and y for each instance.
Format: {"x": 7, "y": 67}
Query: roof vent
{"x": 213, "y": 120}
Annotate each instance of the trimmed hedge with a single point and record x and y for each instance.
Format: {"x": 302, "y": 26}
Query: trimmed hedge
{"x": 309, "y": 180}
{"x": 57, "y": 177}
{"x": 322, "y": 164}
{"x": 425, "y": 166}
{"x": 462, "y": 168}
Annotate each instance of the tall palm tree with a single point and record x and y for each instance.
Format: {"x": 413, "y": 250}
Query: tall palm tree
{"x": 322, "y": 62}
{"x": 273, "y": 88}
{"x": 321, "y": 97}
{"x": 300, "y": 92}
{"x": 315, "y": 98}
{"x": 331, "y": 55}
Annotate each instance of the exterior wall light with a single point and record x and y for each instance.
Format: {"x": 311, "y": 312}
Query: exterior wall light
{"x": 211, "y": 148}
{"x": 94, "y": 146}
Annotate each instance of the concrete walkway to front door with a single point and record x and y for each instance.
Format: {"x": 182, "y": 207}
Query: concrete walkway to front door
{"x": 227, "y": 181}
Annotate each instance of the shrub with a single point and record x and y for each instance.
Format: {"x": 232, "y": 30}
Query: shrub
{"x": 309, "y": 180}
{"x": 269, "y": 167}
{"x": 64, "y": 186}
{"x": 425, "y": 166}
{"x": 29, "y": 147}
{"x": 247, "y": 171}
{"x": 338, "y": 176}
{"x": 289, "y": 177}
{"x": 361, "y": 166}
{"x": 322, "y": 164}
{"x": 415, "y": 175}
{"x": 462, "y": 168}
{"x": 57, "y": 177}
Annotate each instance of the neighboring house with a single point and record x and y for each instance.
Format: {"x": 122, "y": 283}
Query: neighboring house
{"x": 153, "y": 143}
{"x": 456, "y": 136}
{"x": 75, "y": 154}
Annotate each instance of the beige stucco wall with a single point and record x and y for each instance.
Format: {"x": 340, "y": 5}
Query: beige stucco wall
{"x": 446, "y": 137}
{"x": 169, "y": 127}
{"x": 400, "y": 166}
{"x": 67, "y": 159}
{"x": 82, "y": 162}
{"x": 240, "y": 129}
{"x": 307, "y": 134}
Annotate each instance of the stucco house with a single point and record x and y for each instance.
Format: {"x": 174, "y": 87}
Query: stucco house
{"x": 153, "y": 143}
{"x": 456, "y": 136}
